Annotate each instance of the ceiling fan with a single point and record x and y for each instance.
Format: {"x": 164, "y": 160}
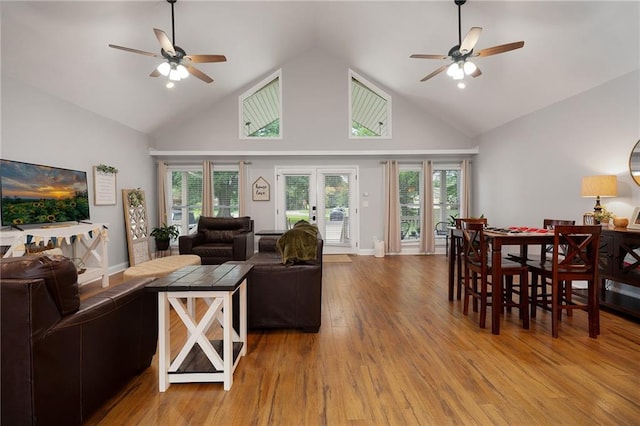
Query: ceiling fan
{"x": 461, "y": 53}
{"x": 178, "y": 64}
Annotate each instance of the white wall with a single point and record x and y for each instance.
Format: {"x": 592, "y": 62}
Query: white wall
{"x": 42, "y": 129}
{"x": 531, "y": 168}
{"x": 315, "y": 89}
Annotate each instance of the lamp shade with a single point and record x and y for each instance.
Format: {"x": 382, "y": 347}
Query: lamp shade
{"x": 599, "y": 186}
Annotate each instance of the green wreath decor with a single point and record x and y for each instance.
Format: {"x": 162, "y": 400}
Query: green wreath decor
{"x": 103, "y": 168}
{"x": 136, "y": 197}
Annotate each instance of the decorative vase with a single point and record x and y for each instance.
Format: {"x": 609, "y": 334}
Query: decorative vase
{"x": 620, "y": 222}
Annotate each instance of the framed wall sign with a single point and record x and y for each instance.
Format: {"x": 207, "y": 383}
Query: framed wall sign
{"x": 104, "y": 188}
{"x": 634, "y": 223}
{"x": 260, "y": 190}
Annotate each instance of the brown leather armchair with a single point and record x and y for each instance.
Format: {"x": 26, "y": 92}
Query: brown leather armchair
{"x": 62, "y": 358}
{"x": 220, "y": 239}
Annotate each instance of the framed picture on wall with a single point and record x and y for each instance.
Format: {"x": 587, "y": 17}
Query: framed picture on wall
{"x": 634, "y": 223}
{"x": 104, "y": 187}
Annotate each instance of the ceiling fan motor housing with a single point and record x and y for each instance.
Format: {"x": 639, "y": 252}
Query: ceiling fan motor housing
{"x": 180, "y": 53}
{"x": 457, "y": 56}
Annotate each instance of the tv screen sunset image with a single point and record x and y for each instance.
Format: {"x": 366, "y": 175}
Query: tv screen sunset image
{"x": 34, "y": 193}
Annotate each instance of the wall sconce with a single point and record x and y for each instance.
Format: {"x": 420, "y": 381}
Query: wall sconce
{"x": 599, "y": 186}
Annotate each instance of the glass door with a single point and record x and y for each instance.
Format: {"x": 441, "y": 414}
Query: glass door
{"x": 446, "y": 201}
{"x": 296, "y": 198}
{"x": 324, "y": 196}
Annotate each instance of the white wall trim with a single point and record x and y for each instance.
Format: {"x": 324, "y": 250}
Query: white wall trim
{"x": 333, "y": 153}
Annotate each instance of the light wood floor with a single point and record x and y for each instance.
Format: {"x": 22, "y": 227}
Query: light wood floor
{"x": 393, "y": 350}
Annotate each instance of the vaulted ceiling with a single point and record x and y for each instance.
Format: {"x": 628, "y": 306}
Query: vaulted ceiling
{"x": 570, "y": 47}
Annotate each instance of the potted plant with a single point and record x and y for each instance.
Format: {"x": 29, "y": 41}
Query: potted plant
{"x": 603, "y": 216}
{"x": 164, "y": 234}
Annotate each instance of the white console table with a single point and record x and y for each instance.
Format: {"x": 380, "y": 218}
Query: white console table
{"x": 86, "y": 242}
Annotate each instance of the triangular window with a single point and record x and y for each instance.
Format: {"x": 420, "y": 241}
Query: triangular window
{"x": 369, "y": 109}
{"x": 261, "y": 109}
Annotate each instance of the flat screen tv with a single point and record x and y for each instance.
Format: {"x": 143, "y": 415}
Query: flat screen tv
{"x": 36, "y": 194}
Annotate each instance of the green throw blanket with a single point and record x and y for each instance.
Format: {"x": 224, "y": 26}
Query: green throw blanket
{"x": 299, "y": 243}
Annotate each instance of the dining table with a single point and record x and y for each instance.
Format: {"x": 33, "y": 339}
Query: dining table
{"x": 497, "y": 238}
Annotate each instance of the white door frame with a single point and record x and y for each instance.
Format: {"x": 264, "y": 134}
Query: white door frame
{"x": 315, "y": 173}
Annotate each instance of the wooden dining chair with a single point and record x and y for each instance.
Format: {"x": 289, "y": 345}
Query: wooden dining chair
{"x": 478, "y": 270}
{"x": 459, "y": 248}
{"x": 574, "y": 258}
{"x": 536, "y": 263}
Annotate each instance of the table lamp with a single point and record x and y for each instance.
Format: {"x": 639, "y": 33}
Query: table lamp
{"x": 599, "y": 186}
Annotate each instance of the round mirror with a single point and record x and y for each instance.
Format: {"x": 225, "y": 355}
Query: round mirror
{"x": 634, "y": 163}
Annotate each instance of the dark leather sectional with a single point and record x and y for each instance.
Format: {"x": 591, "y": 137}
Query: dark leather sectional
{"x": 63, "y": 358}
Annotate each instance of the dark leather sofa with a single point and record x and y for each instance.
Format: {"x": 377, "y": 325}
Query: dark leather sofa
{"x": 284, "y": 296}
{"x": 62, "y": 358}
{"x": 220, "y": 239}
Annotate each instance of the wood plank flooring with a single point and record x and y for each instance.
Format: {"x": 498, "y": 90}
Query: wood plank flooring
{"x": 392, "y": 350}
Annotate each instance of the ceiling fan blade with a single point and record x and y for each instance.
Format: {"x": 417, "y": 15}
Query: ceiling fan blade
{"x": 418, "y": 56}
{"x": 164, "y": 41}
{"x": 199, "y": 74}
{"x": 436, "y": 72}
{"x": 155, "y": 73}
{"x": 476, "y": 73}
{"x": 500, "y": 49}
{"x": 206, "y": 58}
{"x": 470, "y": 40}
{"x": 128, "y": 49}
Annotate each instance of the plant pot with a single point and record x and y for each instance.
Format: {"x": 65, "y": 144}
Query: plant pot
{"x": 162, "y": 244}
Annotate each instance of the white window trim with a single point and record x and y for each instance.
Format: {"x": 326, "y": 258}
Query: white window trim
{"x": 377, "y": 91}
{"x": 251, "y": 91}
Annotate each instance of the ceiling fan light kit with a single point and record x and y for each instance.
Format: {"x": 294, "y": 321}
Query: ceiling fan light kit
{"x": 178, "y": 65}
{"x": 461, "y": 53}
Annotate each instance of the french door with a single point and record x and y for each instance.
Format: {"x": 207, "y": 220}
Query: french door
{"x": 324, "y": 196}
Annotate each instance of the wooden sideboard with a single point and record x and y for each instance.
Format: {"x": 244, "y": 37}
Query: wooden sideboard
{"x": 620, "y": 262}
